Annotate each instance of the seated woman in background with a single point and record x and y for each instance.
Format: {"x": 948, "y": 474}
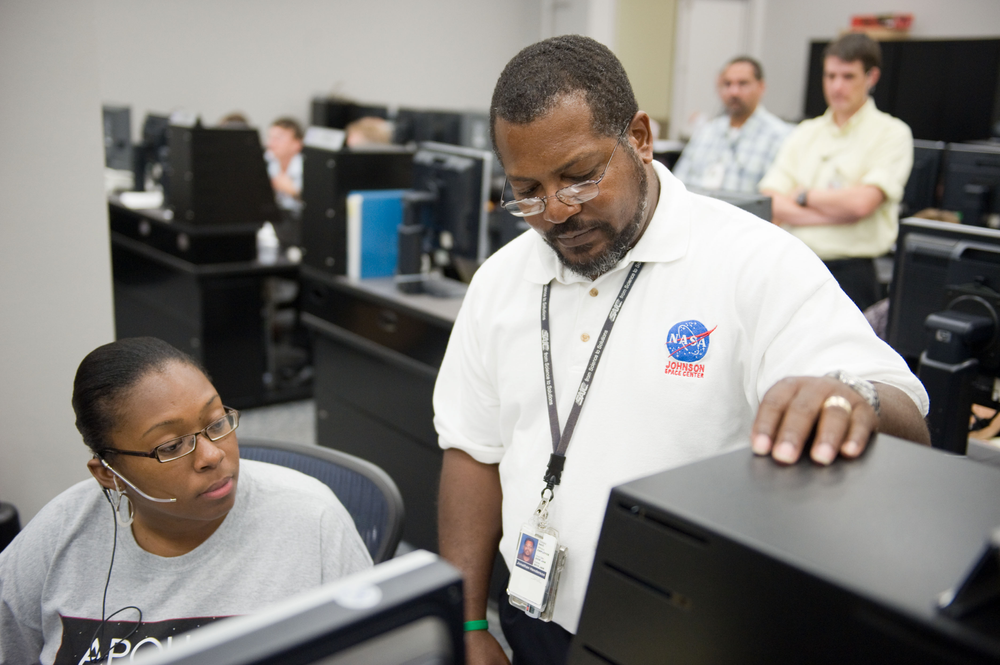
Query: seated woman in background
{"x": 203, "y": 536}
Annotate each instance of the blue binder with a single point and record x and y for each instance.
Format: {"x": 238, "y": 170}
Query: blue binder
{"x": 372, "y": 245}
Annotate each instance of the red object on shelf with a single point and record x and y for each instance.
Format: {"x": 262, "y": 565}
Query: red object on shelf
{"x": 896, "y": 22}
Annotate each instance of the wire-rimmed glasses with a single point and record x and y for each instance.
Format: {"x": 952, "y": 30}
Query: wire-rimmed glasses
{"x": 570, "y": 195}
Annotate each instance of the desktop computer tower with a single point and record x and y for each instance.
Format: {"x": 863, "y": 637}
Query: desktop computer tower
{"x": 218, "y": 176}
{"x": 328, "y": 177}
{"x": 736, "y": 559}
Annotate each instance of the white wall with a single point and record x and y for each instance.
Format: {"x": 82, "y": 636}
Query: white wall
{"x": 267, "y": 58}
{"x": 789, "y": 26}
{"x": 55, "y": 301}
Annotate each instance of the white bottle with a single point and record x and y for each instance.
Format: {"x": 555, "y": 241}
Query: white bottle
{"x": 267, "y": 244}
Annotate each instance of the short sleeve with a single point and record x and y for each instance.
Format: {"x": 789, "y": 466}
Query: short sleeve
{"x": 466, "y": 403}
{"x": 891, "y": 160}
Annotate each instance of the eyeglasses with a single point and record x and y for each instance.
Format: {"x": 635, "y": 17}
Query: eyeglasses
{"x": 185, "y": 445}
{"x": 571, "y": 195}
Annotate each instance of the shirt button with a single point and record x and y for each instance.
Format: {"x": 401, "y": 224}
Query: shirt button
{"x": 593, "y": 292}
{"x": 585, "y": 337}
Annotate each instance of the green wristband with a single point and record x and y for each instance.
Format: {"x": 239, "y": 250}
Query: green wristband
{"x": 481, "y": 624}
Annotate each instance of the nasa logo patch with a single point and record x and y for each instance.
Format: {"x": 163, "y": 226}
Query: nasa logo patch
{"x": 688, "y": 341}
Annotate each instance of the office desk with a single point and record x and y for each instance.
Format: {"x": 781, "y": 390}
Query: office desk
{"x": 376, "y": 355}
{"x": 223, "y": 313}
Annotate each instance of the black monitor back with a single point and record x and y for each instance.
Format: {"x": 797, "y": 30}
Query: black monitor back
{"x": 406, "y": 611}
{"x": 736, "y": 559}
{"x": 459, "y": 178}
{"x": 922, "y": 186}
{"x": 930, "y": 256}
{"x": 338, "y": 113}
{"x": 414, "y": 126}
{"x": 972, "y": 183}
{"x": 327, "y": 178}
{"x": 218, "y": 176}
{"x": 117, "y": 137}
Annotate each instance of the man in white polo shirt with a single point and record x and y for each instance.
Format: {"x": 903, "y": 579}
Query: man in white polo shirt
{"x": 838, "y": 179}
{"x": 698, "y": 313}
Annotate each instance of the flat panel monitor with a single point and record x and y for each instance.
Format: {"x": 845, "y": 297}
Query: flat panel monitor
{"x": 921, "y": 190}
{"x": 117, "y": 137}
{"x": 944, "y": 319}
{"x": 972, "y": 183}
{"x": 150, "y": 156}
{"x": 406, "y": 611}
{"x": 456, "y": 214}
{"x": 415, "y": 126}
{"x": 338, "y": 113}
{"x": 736, "y": 559}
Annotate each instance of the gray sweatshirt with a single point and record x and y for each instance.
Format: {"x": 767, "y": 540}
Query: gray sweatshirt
{"x": 286, "y": 533}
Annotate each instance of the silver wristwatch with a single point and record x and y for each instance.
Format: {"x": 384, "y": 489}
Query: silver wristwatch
{"x": 862, "y": 387}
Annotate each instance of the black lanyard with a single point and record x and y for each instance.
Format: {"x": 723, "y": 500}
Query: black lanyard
{"x": 560, "y": 442}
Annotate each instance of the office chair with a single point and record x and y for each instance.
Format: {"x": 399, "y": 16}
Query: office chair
{"x": 368, "y": 493}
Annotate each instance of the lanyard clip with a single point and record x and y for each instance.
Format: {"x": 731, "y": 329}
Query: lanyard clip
{"x": 542, "y": 511}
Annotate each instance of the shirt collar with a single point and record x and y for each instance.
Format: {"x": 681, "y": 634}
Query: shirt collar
{"x": 853, "y": 121}
{"x": 665, "y": 238}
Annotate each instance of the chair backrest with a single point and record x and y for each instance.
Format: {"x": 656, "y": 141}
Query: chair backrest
{"x": 368, "y": 493}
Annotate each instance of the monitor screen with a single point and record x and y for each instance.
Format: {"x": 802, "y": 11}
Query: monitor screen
{"x": 972, "y": 183}
{"x": 406, "y": 611}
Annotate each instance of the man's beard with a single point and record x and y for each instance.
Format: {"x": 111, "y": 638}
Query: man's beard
{"x": 620, "y": 241}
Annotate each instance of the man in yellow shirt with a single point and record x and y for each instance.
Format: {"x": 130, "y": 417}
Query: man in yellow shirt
{"x": 838, "y": 179}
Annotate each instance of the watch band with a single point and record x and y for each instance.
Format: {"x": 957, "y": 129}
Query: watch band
{"x": 866, "y": 389}
{"x": 801, "y": 199}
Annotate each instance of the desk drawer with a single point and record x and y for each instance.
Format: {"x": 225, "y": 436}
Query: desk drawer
{"x": 386, "y": 326}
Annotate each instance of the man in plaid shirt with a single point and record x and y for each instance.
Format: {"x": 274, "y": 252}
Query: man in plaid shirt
{"x": 732, "y": 152}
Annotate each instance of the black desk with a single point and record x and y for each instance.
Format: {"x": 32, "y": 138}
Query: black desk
{"x": 376, "y": 354}
{"x": 223, "y": 313}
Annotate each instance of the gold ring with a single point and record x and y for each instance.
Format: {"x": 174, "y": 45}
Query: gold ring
{"x": 838, "y": 402}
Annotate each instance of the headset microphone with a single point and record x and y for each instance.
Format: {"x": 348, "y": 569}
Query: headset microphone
{"x": 139, "y": 491}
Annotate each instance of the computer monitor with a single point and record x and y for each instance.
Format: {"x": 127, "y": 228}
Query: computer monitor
{"x": 117, "y": 137}
{"x": 921, "y": 188}
{"x": 415, "y": 126}
{"x": 150, "y": 156}
{"x": 338, "y": 113}
{"x": 972, "y": 183}
{"x": 446, "y": 216}
{"x": 406, "y": 611}
{"x": 944, "y": 319}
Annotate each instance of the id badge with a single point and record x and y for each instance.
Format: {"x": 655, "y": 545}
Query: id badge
{"x": 714, "y": 176}
{"x": 538, "y": 564}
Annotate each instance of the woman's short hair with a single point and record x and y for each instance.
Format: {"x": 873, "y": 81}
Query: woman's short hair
{"x": 107, "y": 375}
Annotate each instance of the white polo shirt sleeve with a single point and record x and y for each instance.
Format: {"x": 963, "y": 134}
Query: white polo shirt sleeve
{"x": 466, "y": 404}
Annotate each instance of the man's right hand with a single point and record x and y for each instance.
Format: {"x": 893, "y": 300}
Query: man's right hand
{"x": 481, "y": 648}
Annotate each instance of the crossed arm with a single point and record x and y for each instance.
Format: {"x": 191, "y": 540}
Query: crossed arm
{"x": 825, "y": 206}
